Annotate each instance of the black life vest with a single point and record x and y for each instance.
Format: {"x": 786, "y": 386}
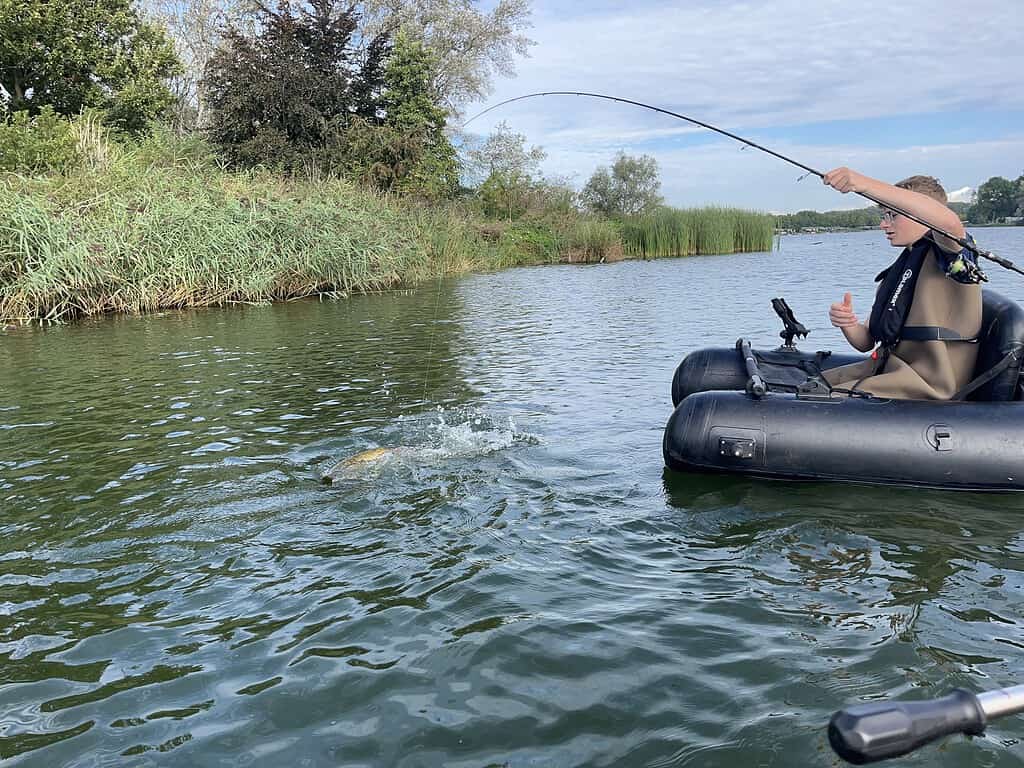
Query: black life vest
{"x": 894, "y": 297}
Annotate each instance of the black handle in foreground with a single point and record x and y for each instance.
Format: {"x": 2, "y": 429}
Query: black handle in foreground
{"x": 870, "y": 732}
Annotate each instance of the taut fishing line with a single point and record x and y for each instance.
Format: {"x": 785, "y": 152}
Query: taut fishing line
{"x": 433, "y": 327}
{"x": 960, "y": 241}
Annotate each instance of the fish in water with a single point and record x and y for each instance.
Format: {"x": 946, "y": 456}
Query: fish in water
{"x": 359, "y": 464}
{"x": 459, "y": 441}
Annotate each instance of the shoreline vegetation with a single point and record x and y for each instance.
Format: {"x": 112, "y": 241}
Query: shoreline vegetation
{"x": 818, "y": 222}
{"x": 194, "y": 154}
{"x": 163, "y": 224}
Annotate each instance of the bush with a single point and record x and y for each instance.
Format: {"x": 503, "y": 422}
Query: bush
{"x": 164, "y": 147}
{"x": 381, "y": 157}
{"x": 528, "y": 244}
{"x": 33, "y": 145}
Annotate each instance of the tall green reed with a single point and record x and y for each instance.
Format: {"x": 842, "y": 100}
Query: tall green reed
{"x": 675, "y": 232}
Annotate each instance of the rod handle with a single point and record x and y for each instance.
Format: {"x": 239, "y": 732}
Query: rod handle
{"x": 870, "y": 732}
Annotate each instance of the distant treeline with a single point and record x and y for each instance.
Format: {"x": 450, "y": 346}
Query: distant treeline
{"x": 859, "y": 218}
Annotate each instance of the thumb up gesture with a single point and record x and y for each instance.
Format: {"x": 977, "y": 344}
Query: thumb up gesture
{"x": 841, "y": 313}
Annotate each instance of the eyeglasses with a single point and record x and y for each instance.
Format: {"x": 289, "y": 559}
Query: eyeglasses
{"x": 889, "y": 216}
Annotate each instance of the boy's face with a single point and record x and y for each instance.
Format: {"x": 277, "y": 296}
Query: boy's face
{"x": 900, "y": 230}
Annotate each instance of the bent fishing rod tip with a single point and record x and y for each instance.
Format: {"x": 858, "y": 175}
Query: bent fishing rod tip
{"x": 748, "y": 143}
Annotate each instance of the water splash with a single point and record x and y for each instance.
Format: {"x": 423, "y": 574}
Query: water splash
{"x": 430, "y": 439}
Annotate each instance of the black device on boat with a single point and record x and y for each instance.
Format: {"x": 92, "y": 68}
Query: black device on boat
{"x": 791, "y": 326}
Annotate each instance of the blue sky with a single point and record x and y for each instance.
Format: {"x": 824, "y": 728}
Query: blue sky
{"x": 889, "y": 88}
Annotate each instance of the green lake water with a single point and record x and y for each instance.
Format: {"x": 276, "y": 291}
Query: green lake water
{"x": 521, "y": 583}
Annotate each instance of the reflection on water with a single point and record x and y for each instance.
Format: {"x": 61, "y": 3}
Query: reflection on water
{"x": 518, "y": 582}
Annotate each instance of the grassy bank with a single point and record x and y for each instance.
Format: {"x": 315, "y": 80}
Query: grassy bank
{"x": 163, "y": 225}
{"x": 150, "y": 229}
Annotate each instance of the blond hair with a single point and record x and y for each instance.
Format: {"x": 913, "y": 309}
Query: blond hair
{"x": 925, "y": 185}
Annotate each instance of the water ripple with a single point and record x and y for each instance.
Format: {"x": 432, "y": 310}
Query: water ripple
{"x": 518, "y": 583}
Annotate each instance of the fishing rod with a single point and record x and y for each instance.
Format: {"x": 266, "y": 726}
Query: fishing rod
{"x": 962, "y": 242}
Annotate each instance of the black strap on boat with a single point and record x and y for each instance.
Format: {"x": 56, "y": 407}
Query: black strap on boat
{"x": 881, "y": 357}
{"x": 933, "y": 333}
{"x": 1011, "y": 358}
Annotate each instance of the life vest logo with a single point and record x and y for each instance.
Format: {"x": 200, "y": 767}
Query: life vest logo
{"x": 899, "y": 288}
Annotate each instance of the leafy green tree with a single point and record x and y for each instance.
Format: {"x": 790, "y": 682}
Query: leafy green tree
{"x": 412, "y": 112}
{"x": 281, "y": 96}
{"x": 404, "y": 148}
{"x": 75, "y": 54}
{"x": 995, "y": 199}
{"x": 629, "y": 188}
{"x": 1020, "y": 195}
{"x": 509, "y": 171}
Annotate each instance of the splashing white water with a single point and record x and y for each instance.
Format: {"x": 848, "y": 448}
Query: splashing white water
{"x": 419, "y": 441}
{"x": 470, "y": 433}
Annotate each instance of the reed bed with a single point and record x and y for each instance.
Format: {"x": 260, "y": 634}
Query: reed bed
{"x": 137, "y": 232}
{"x": 161, "y": 224}
{"x": 593, "y": 241}
{"x": 673, "y": 232}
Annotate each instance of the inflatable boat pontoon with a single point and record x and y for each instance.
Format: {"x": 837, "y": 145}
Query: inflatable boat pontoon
{"x": 754, "y": 412}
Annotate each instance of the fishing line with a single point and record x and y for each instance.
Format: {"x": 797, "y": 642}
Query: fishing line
{"x": 962, "y": 242}
{"x": 433, "y": 329}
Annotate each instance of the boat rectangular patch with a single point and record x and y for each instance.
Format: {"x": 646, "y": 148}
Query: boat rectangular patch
{"x": 736, "y": 445}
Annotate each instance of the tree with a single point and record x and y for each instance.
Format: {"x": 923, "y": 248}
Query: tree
{"x": 196, "y": 27}
{"x": 280, "y": 96}
{"x": 504, "y": 196}
{"x": 408, "y": 150}
{"x": 412, "y": 111}
{"x": 508, "y": 169}
{"x": 506, "y": 153}
{"x": 996, "y": 199}
{"x": 470, "y": 46}
{"x": 84, "y": 53}
{"x": 1020, "y": 195}
{"x": 629, "y": 188}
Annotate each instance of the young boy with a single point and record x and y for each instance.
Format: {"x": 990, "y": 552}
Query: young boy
{"x": 927, "y": 310}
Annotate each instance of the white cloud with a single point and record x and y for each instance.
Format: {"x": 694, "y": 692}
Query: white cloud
{"x": 786, "y": 60}
{"x": 720, "y": 173}
{"x": 748, "y": 66}
{"x": 962, "y": 195}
